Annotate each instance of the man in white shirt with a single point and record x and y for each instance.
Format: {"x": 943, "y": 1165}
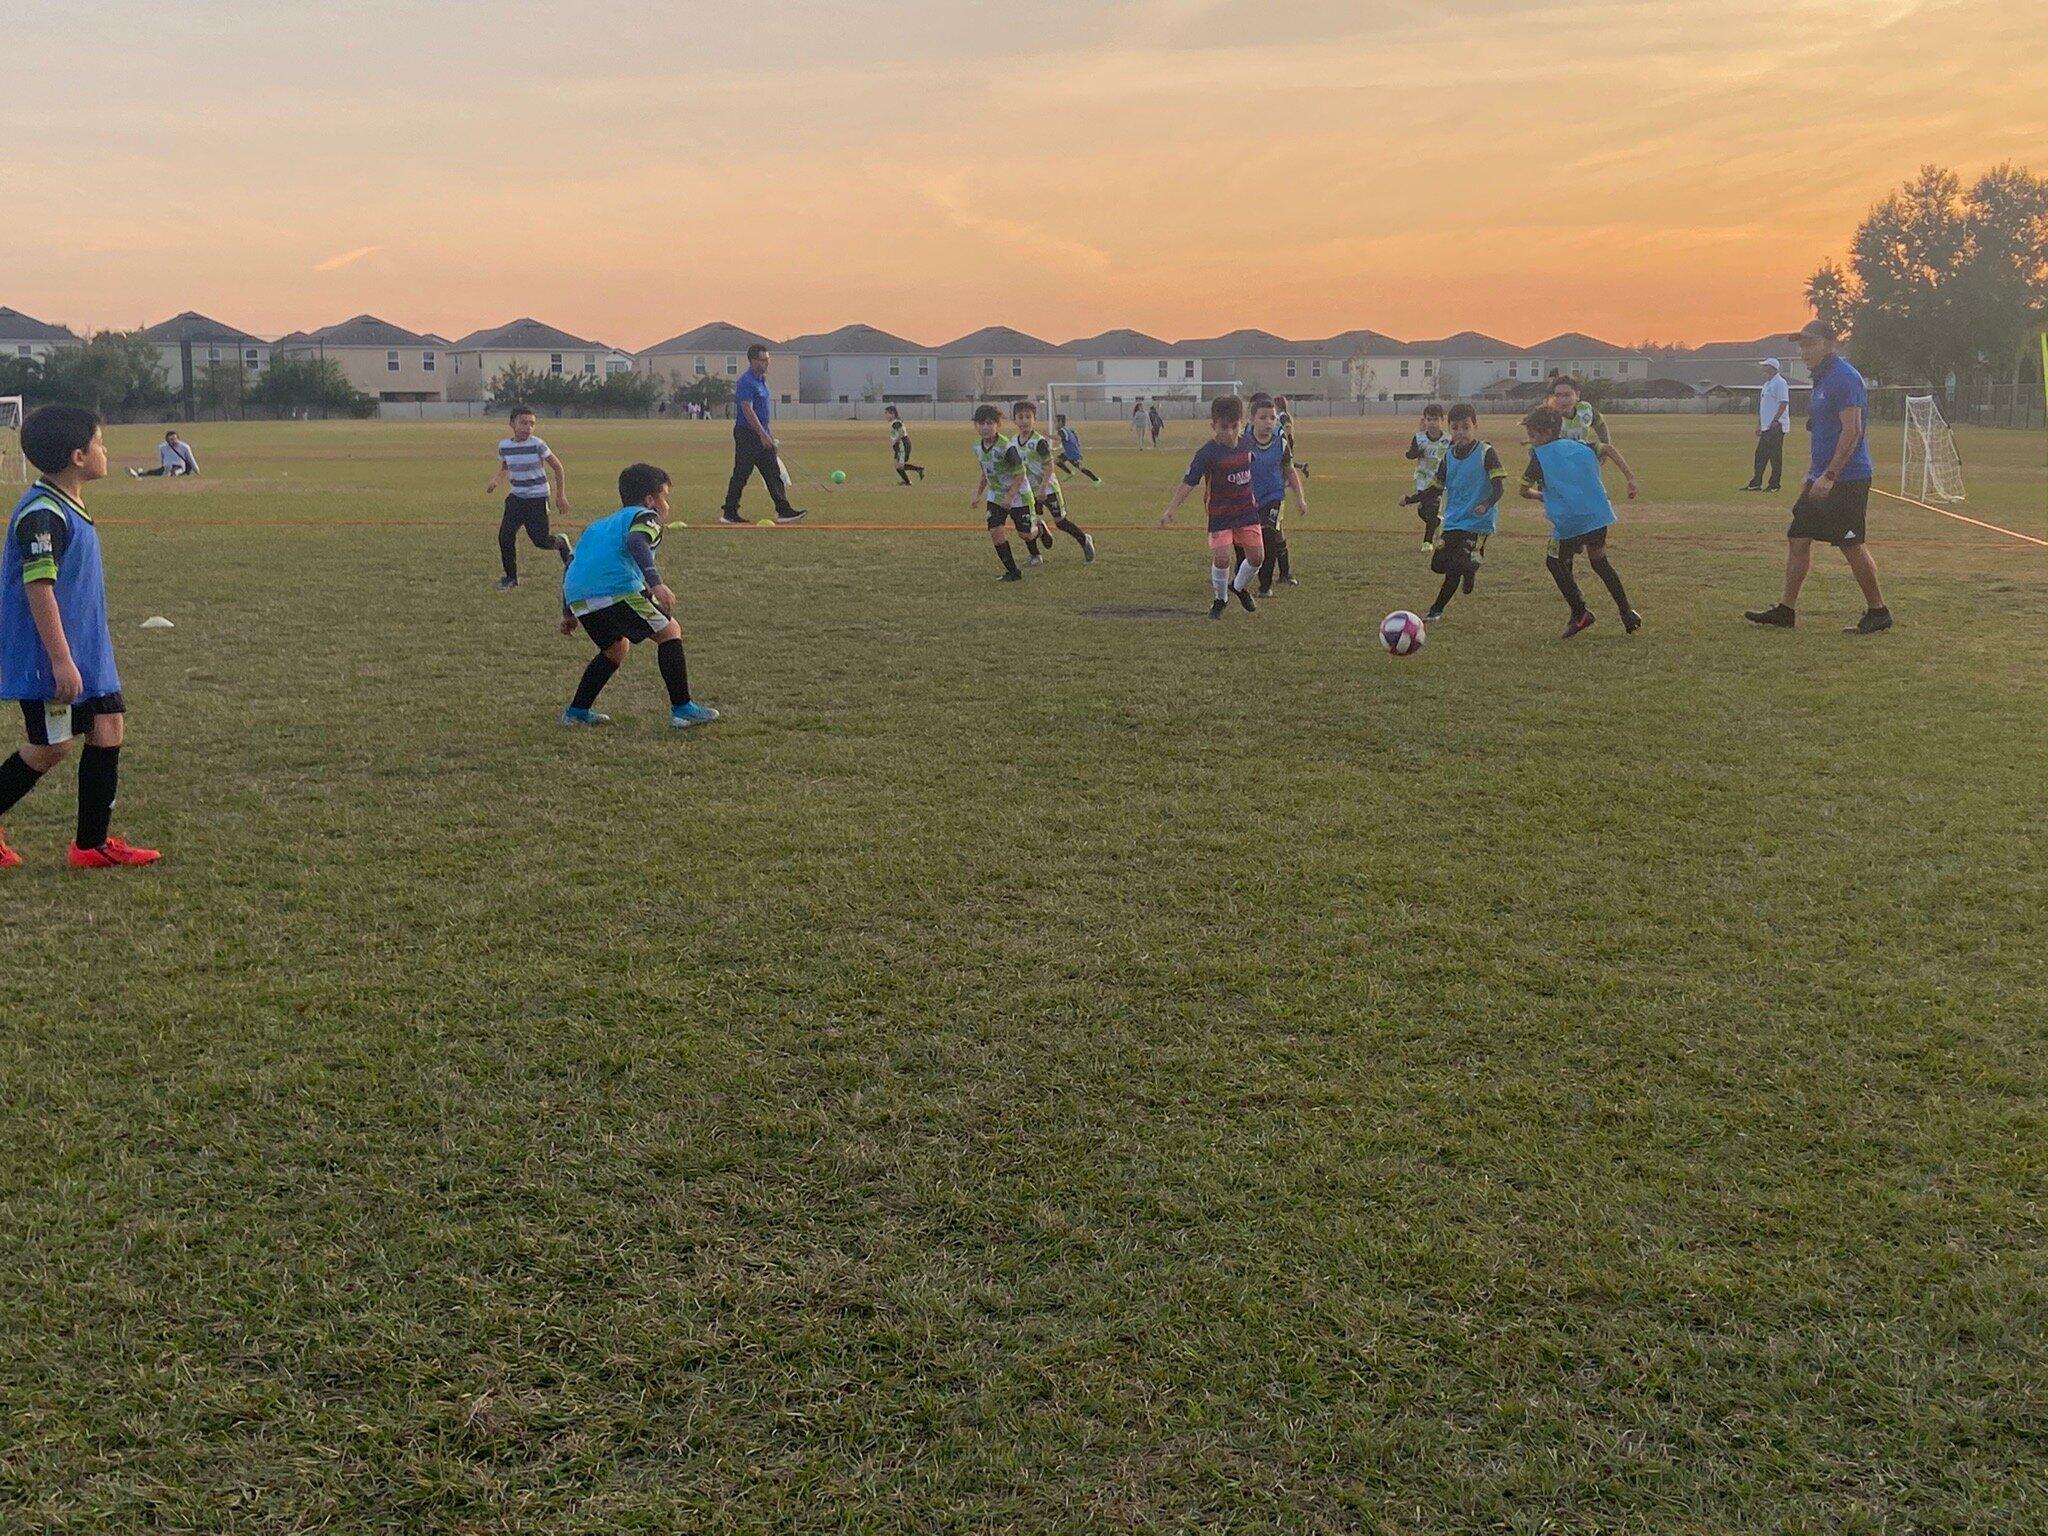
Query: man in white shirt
{"x": 173, "y": 457}
{"x": 1773, "y": 420}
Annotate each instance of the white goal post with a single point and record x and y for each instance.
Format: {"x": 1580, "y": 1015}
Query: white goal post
{"x": 1928, "y": 464}
{"x": 13, "y": 467}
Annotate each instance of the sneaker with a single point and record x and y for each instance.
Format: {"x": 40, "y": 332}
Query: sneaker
{"x": 1631, "y": 621}
{"x": 1216, "y": 608}
{"x": 1580, "y": 623}
{"x": 1466, "y": 584}
{"x": 1036, "y": 557}
{"x": 574, "y": 716}
{"x": 507, "y": 583}
{"x": 793, "y": 515}
{"x": 1010, "y": 576}
{"x": 1244, "y": 596}
{"x": 1777, "y": 616}
{"x": 1752, "y": 487}
{"x": 1087, "y": 549}
{"x": 1435, "y": 615}
{"x": 8, "y": 857}
{"x": 111, "y": 854}
{"x": 1874, "y": 621}
{"x": 732, "y": 519}
{"x": 683, "y": 716}
{"x": 1265, "y": 589}
{"x": 133, "y": 474}
{"x": 1290, "y": 581}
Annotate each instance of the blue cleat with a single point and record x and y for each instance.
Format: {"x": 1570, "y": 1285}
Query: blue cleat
{"x": 575, "y": 716}
{"x": 683, "y": 716}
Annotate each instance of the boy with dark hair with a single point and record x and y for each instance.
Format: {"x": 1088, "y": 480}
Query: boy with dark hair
{"x": 899, "y": 446}
{"x": 1581, "y": 419}
{"x": 1070, "y": 451}
{"x": 613, "y": 590}
{"x": 1041, "y": 463}
{"x": 1223, "y": 468}
{"x": 1004, "y": 491}
{"x": 1426, "y": 448}
{"x": 1470, "y": 481}
{"x": 529, "y": 464}
{"x": 173, "y": 457}
{"x": 1285, "y": 413}
{"x": 56, "y": 649}
{"x": 1274, "y": 474}
{"x": 1565, "y": 476}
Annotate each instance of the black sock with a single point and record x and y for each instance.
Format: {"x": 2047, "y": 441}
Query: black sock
{"x": 1266, "y": 568}
{"x": 1072, "y": 530}
{"x": 563, "y": 548}
{"x": 1446, "y": 592}
{"x": 903, "y": 473}
{"x": 1091, "y": 474}
{"x": 675, "y": 671}
{"x": 508, "y": 549}
{"x": 595, "y": 676}
{"x": 1611, "y": 578}
{"x": 1279, "y": 547}
{"x": 16, "y": 780}
{"x": 99, "y": 772}
{"x": 918, "y": 467}
{"x": 1568, "y": 584}
{"x": 1003, "y": 554}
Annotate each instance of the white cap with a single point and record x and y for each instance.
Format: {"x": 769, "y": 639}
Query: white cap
{"x": 1772, "y": 364}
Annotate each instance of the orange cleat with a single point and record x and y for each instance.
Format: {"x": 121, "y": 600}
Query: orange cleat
{"x": 110, "y": 854}
{"x": 8, "y": 857}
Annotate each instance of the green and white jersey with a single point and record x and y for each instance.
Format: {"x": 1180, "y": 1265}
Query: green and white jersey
{"x": 1586, "y": 425}
{"x": 1428, "y": 453}
{"x": 1041, "y": 457}
{"x": 1009, "y": 479}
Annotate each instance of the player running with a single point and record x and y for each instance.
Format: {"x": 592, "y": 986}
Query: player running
{"x": 1426, "y": 448}
{"x": 1285, "y": 416}
{"x": 1274, "y": 474}
{"x": 1070, "y": 451}
{"x": 1041, "y": 463}
{"x": 529, "y": 464}
{"x": 1565, "y": 476}
{"x": 1470, "y": 482}
{"x": 899, "y": 447}
{"x": 1004, "y": 490}
{"x": 1223, "y": 468}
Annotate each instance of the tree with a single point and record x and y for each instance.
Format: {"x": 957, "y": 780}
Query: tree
{"x": 710, "y": 390}
{"x": 1943, "y": 279}
{"x": 626, "y": 393}
{"x": 219, "y": 387}
{"x": 115, "y": 372}
{"x": 305, "y": 383}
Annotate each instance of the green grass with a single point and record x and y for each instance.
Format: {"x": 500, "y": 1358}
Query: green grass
{"x": 1025, "y": 1071}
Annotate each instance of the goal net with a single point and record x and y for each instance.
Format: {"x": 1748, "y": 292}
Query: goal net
{"x": 1928, "y": 466}
{"x": 13, "y": 467}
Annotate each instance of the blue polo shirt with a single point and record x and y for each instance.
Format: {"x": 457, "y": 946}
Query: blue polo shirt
{"x": 752, "y": 389}
{"x": 1837, "y": 387}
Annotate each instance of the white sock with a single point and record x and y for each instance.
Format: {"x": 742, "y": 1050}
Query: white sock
{"x": 1245, "y": 572}
{"x": 1219, "y": 578}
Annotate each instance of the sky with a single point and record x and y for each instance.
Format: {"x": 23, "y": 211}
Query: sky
{"x": 1667, "y": 170}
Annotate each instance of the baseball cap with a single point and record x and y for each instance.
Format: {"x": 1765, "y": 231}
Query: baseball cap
{"x": 1772, "y": 363}
{"x": 1819, "y": 330}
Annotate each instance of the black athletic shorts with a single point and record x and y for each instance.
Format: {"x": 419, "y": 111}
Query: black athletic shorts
{"x": 1052, "y": 507}
{"x": 1269, "y": 515}
{"x": 1021, "y": 516}
{"x": 530, "y": 513}
{"x": 1455, "y": 549}
{"x": 51, "y": 724}
{"x": 633, "y": 619}
{"x": 1430, "y": 500}
{"x": 1838, "y": 519}
{"x": 1593, "y": 543}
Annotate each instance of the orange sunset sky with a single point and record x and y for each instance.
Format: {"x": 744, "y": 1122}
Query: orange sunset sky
{"x": 1667, "y": 169}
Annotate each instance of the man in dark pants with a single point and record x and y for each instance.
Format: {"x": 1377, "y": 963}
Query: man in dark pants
{"x": 1773, "y": 421}
{"x": 753, "y": 445}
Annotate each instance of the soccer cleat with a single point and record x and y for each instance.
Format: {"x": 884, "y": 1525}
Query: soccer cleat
{"x": 133, "y": 474}
{"x": 1631, "y": 621}
{"x": 1752, "y": 487}
{"x": 1429, "y": 546}
{"x": 793, "y": 515}
{"x": 683, "y": 716}
{"x": 8, "y": 857}
{"x": 1244, "y": 596}
{"x": 1433, "y": 616}
{"x": 1581, "y": 622}
{"x": 111, "y": 854}
{"x": 1010, "y": 576}
{"x": 1777, "y": 616}
{"x": 1874, "y": 621}
{"x": 1290, "y": 581}
{"x": 732, "y": 519}
{"x": 574, "y": 716}
{"x": 1036, "y": 557}
{"x": 1087, "y": 549}
{"x": 1216, "y": 608}
{"x": 507, "y": 583}
{"x": 1265, "y": 589}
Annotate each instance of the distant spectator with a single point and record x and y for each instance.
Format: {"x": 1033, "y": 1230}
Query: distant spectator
{"x": 1157, "y": 422}
{"x": 173, "y": 457}
{"x": 1773, "y": 420}
{"x": 1138, "y": 424}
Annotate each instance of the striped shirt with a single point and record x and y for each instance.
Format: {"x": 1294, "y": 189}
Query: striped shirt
{"x": 526, "y": 463}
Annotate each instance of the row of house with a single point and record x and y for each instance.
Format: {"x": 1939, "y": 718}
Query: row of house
{"x": 860, "y": 363}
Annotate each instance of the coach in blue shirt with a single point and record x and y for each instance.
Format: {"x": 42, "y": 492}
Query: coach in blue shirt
{"x": 1834, "y": 501}
{"x": 753, "y": 444}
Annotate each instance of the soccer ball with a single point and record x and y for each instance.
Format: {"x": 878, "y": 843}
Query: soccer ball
{"x": 1401, "y": 633}
{"x": 839, "y": 477}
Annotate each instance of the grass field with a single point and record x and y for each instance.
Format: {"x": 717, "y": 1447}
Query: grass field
{"x": 1025, "y": 1069}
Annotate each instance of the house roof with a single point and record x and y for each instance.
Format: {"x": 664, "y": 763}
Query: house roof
{"x": 997, "y": 338}
{"x": 524, "y": 335}
{"x": 15, "y": 326}
{"x": 360, "y": 331}
{"x": 718, "y": 336}
{"x": 193, "y": 326}
{"x": 1576, "y": 344}
{"x": 1466, "y": 344}
{"x": 1121, "y": 343}
{"x": 1247, "y": 343}
{"x": 1352, "y": 343}
{"x": 852, "y": 341}
{"x": 1762, "y": 347}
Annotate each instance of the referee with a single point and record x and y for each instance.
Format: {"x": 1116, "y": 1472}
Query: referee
{"x": 753, "y": 444}
{"x": 1836, "y": 497}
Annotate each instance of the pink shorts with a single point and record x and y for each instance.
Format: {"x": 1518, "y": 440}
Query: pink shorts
{"x": 1251, "y": 540}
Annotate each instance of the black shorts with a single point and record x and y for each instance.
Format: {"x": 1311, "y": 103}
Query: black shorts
{"x": 1269, "y": 515}
{"x": 531, "y": 514}
{"x": 1837, "y": 519}
{"x": 1430, "y": 500}
{"x": 1052, "y": 507}
{"x": 633, "y": 619}
{"x": 1593, "y": 543}
{"x": 51, "y": 724}
{"x": 1021, "y": 516}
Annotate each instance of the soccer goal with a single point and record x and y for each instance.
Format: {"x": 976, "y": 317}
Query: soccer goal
{"x": 1113, "y": 399}
{"x": 1928, "y": 465}
{"x": 13, "y": 467}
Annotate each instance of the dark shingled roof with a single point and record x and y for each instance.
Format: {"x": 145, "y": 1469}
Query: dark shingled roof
{"x": 852, "y": 341}
{"x": 718, "y": 336}
{"x": 1120, "y": 343}
{"x": 1578, "y": 344}
{"x": 16, "y": 326}
{"x": 992, "y": 339}
{"x": 361, "y": 331}
{"x": 1247, "y": 343}
{"x": 1466, "y": 344}
{"x": 193, "y": 326}
{"x": 524, "y": 335}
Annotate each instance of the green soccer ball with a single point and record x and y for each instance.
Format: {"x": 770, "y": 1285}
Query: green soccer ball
{"x": 839, "y": 477}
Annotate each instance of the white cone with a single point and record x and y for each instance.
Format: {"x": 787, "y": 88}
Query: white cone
{"x": 157, "y": 621}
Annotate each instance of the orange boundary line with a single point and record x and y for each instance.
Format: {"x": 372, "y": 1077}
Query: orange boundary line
{"x": 2025, "y": 538}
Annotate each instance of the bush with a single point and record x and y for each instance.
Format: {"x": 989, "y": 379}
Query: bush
{"x": 296, "y": 385}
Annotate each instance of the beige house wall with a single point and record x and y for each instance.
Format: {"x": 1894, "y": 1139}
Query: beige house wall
{"x": 368, "y": 369}
{"x": 671, "y": 366}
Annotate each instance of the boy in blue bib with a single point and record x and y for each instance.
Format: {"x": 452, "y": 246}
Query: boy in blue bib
{"x": 1070, "y": 451}
{"x": 612, "y": 589}
{"x": 1565, "y": 476}
{"x": 1470, "y": 480}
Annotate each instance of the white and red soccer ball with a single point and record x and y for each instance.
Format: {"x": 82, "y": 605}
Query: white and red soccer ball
{"x": 1401, "y": 633}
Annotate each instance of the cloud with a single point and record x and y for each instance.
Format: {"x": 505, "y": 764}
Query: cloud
{"x": 342, "y": 259}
